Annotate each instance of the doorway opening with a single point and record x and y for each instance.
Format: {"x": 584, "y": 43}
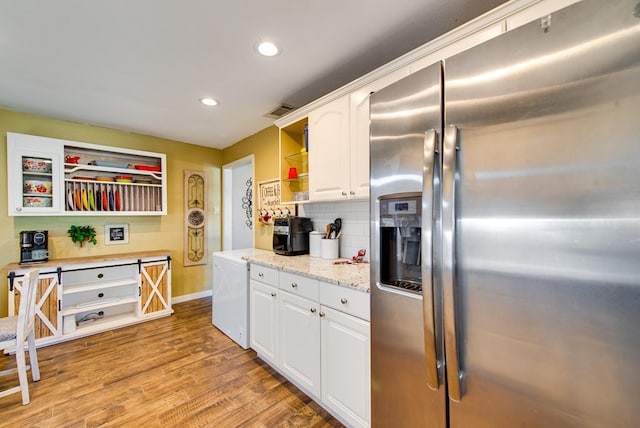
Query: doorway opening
{"x": 238, "y": 187}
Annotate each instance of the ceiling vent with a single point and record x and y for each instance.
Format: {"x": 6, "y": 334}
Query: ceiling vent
{"x": 280, "y": 111}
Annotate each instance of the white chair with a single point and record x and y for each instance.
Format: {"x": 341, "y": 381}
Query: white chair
{"x": 16, "y": 330}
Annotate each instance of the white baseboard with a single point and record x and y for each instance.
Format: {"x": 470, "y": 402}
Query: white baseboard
{"x": 186, "y": 297}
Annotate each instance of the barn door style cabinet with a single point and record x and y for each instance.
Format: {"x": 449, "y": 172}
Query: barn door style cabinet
{"x": 83, "y": 296}
{"x": 48, "y": 176}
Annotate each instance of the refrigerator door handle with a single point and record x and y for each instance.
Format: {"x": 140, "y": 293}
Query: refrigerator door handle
{"x": 430, "y": 139}
{"x": 455, "y": 375}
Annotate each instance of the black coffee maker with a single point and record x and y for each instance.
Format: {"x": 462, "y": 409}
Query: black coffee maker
{"x": 34, "y": 246}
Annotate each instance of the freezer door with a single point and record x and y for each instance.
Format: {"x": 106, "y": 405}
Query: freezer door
{"x": 405, "y": 327}
{"x": 543, "y": 300}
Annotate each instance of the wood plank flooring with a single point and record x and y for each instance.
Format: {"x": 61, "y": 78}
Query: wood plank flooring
{"x": 174, "y": 371}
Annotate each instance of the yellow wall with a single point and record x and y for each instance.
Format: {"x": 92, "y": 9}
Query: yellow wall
{"x": 264, "y": 146}
{"x": 145, "y": 232}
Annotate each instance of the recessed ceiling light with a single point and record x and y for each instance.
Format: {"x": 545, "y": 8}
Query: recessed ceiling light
{"x": 267, "y": 49}
{"x": 209, "y": 101}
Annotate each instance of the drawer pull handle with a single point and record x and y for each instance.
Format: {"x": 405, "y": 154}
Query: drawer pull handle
{"x": 260, "y": 274}
{"x": 313, "y": 310}
{"x": 100, "y": 275}
{"x": 273, "y": 294}
{"x": 321, "y": 314}
{"x": 294, "y": 285}
{"x": 343, "y": 301}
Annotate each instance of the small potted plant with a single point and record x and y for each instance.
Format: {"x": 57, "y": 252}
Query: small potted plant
{"x": 82, "y": 233}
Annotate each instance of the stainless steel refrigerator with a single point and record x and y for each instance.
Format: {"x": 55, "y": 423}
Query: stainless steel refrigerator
{"x": 505, "y": 230}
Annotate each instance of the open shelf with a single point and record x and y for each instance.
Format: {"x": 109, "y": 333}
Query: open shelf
{"x": 98, "y": 304}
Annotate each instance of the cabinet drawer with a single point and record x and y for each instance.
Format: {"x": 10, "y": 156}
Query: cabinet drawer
{"x": 344, "y": 299}
{"x": 299, "y": 285}
{"x": 102, "y": 275}
{"x": 264, "y": 274}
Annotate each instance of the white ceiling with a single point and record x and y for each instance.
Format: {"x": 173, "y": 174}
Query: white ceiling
{"x": 142, "y": 65}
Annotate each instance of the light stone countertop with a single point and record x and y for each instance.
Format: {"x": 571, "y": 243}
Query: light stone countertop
{"x": 347, "y": 275}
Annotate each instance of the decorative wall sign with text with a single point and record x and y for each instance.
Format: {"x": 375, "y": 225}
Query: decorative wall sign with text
{"x": 195, "y": 219}
{"x": 269, "y": 206}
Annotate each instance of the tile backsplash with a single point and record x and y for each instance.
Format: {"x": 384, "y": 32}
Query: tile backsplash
{"x": 355, "y": 222}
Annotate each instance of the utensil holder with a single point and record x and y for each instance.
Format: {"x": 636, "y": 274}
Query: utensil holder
{"x": 329, "y": 248}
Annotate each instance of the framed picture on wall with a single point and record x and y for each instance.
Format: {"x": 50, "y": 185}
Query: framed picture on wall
{"x": 116, "y": 234}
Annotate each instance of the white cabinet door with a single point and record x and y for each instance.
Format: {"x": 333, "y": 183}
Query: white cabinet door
{"x": 329, "y": 151}
{"x": 359, "y": 144}
{"x": 263, "y": 309}
{"x": 346, "y": 362}
{"x": 34, "y": 179}
{"x": 300, "y": 341}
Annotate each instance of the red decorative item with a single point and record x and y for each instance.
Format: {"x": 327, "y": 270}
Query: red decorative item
{"x": 148, "y": 168}
{"x": 71, "y": 159}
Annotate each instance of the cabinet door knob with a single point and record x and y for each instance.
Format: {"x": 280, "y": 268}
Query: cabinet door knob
{"x": 313, "y": 310}
{"x": 344, "y": 193}
{"x": 343, "y": 301}
{"x": 321, "y": 314}
{"x": 352, "y": 192}
{"x": 273, "y": 294}
{"x": 18, "y": 208}
{"x": 294, "y": 285}
{"x": 260, "y": 274}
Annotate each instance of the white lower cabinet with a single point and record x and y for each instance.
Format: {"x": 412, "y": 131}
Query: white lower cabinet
{"x": 300, "y": 341}
{"x": 317, "y": 335}
{"x": 263, "y": 320}
{"x": 346, "y": 355}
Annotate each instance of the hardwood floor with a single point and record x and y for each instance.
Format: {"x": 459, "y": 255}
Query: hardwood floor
{"x": 174, "y": 371}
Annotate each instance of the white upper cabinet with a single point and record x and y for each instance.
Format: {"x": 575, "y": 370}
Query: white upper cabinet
{"x": 48, "y": 176}
{"x": 34, "y": 177}
{"x": 359, "y": 113}
{"x": 339, "y": 144}
{"x": 329, "y": 151}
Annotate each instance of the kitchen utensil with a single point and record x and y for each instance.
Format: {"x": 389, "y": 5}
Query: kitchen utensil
{"x": 147, "y": 168}
{"x": 31, "y": 201}
{"x": 110, "y": 164}
{"x": 37, "y": 187}
{"x": 36, "y": 165}
{"x": 328, "y": 231}
{"x": 332, "y": 231}
{"x": 70, "y": 199}
{"x": 338, "y": 223}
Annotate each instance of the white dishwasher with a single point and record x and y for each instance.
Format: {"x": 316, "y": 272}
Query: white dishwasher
{"x": 230, "y": 297}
